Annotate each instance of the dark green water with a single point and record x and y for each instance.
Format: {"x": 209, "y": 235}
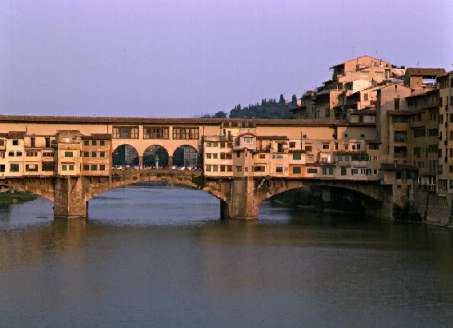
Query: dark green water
{"x": 159, "y": 257}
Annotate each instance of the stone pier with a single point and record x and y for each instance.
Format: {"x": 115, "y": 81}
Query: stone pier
{"x": 69, "y": 198}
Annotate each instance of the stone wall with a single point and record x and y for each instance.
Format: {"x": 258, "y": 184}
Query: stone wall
{"x": 432, "y": 208}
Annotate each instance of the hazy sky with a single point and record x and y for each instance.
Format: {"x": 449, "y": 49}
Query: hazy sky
{"x": 185, "y": 58}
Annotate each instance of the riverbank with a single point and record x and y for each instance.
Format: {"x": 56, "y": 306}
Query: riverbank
{"x": 7, "y": 198}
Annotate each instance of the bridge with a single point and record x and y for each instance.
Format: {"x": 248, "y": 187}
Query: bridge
{"x": 241, "y": 162}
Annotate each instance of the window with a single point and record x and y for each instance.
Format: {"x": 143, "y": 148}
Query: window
{"x": 11, "y": 154}
{"x": 297, "y": 156}
{"x": 15, "y": 142}
{"x": 215, "y": 168}
{"x": 86, "y": 167}
{"x": 419, "y": 132}
{"x": 365, "y": 97}
{"x": 327, "y": 170}
{"x": 71, "y": 167}
{"x": 262, "y": 156}
{"x": 279, "y": 169}
{"x": 435, "y": 133}
{"x": 308, "y": 148}
{"x": 296, "y": 170}
{"x": 31, "y": 167}
{"x": 101, "y": 142}
{"x": 185, "y": 133}
{"x": 400, "y": 136}
{"x": 238, "y": 168}
{"x": 292, "y": 144}
{"x": 31, "y": 153}
{"x": 208, "y": 155}
{"x": 93, "y": 154}
{"x": 222, "y": 168}
{"x": 2, "y": 167}
{"x": 32, "y": 142}
{"x": 86, "y": 142}
{"x": 125, "y": 132}
{"x": 229, "y": 168}
{"x": 343, "y": 170}
{"x": 259, "y": 168}
{"x": 48, "y": 166}
{"x": 68, "y": 154}
{"x": 64, "y": 167}
{"x": 208, "y": 168}
{"x": 155, "y": 132}
{"x": 312, "y": 170}
{"x": 2, "y": 142}
{"x": 18, "y": 153}
{"x": 325, "y": 146}
{"x": 102, "y": 154}
{"x": 93, "y": 167}
{"x": 86, "y": 154}
{"x": 248, "y": 140}
{"x": 14, "y": 167}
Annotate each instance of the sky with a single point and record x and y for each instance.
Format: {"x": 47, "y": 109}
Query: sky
{"x": 192, "y": 57}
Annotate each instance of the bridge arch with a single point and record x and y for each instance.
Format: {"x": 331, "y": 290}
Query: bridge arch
{"x": 125, "y": 179}
{"x": 155, "y": 156}
{"x": 125, "y": 155}
{"x": 186, "y": 156}
{"x": 376, "y": 199}
{"x": 42, "y": 187}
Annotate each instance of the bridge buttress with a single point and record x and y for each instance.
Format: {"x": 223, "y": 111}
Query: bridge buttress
{"x": 241, "y": 202}
{"x": 69, "y": 198}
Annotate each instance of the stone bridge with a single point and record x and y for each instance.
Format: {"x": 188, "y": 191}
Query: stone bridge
{"x": 239, "y": 197}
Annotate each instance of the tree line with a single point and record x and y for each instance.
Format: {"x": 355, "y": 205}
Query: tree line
{"x": 267, "y": 108}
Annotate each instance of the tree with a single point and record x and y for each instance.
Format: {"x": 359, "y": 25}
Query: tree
{"x": 220, "y": 114}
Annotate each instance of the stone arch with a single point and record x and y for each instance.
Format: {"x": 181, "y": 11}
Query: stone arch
{"x": 268, "y": 188}
{"x": 155, "y": 156}
{"x": 181, "y": 180}
{"x": 186, "y": 156}
{"x": 125, "y": 155}
{"x": 42, "y": 187}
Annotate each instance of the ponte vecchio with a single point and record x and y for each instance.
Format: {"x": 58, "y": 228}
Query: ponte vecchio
{"x": 242, "y": 162}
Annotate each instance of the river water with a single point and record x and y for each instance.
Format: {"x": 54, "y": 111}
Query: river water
{"x": 158, "y": 256}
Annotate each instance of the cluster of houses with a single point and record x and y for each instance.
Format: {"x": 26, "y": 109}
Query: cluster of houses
{"x": 66, "y": 153}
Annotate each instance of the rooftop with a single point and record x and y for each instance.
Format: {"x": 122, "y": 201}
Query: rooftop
{"x": 128, "y": 120}
{"x": 425, "y": 71}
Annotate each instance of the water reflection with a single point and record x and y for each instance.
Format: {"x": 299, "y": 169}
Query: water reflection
{"x": 160, "y": 257}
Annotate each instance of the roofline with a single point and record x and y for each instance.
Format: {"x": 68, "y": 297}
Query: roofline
{"x": 128, "y": 120}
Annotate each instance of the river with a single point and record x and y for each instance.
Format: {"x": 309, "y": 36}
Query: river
{"x": 158, "y": 256}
